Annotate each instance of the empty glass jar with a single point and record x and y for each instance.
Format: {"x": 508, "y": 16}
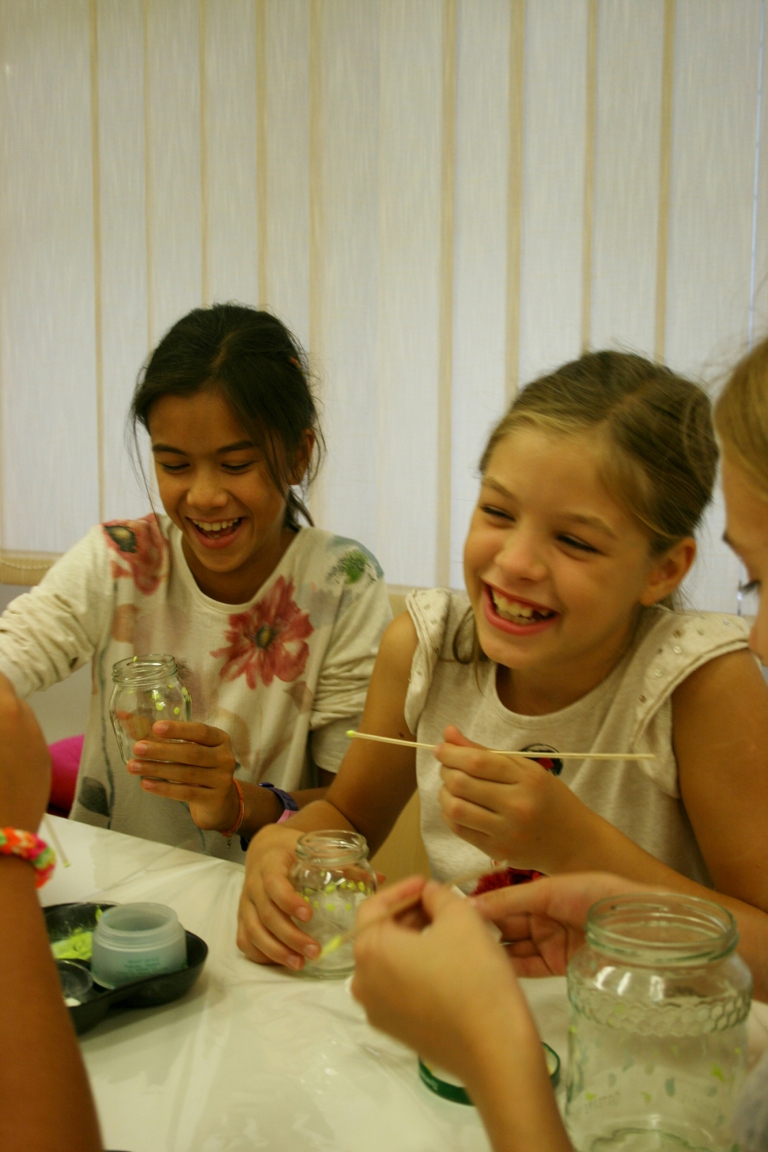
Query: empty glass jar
{"x": 657, "y": 1045}
{"x": 147, "y": 689}
{"x": 333, "y": 875}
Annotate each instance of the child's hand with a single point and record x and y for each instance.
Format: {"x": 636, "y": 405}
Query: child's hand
{"x": 445, "y": 992}
{"x": 509, "y": 807}
{"x": 542, "y": 923}
{"x": 199, "y": 771}
{"x": 265, "y": 930}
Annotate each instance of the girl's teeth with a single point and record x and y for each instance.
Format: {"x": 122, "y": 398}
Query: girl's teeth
{"x": 516, "y": 612}
{"x": 216, "y": 526}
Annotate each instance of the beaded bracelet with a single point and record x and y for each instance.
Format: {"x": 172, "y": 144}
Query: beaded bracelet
{"x": 240, "y": 812}
{"x": 27, "y": 846}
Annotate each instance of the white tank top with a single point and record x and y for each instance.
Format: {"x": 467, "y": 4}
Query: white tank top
{"x": 631, "y": 710}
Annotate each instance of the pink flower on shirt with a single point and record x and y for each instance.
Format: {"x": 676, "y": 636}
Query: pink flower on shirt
{"x": 268, "y": 640}
{"x": 141, "y": 545}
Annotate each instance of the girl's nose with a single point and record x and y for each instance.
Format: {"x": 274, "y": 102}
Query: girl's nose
{"x": 520, "y": 557}
{"x": 205, "y": 491}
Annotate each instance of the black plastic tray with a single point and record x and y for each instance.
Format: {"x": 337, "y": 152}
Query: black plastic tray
{"x": 150, "y": 991}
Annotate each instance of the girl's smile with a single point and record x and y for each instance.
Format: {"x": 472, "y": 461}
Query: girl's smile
{"x": 556, "y": 569}
{"x": 216, "y": 488}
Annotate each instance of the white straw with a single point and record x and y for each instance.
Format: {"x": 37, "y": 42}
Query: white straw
{"x": 509, "y": 752}
{"x": 56, "y": 842}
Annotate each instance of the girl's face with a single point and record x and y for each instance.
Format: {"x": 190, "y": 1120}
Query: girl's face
{"x": 554, "y": 567}
{"x": 746, "y": 531}
{"x": 218, "y": 492}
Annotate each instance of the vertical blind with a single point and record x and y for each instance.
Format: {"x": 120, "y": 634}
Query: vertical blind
{"x": 442, "y": 198}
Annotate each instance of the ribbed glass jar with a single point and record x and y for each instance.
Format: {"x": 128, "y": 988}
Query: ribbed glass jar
{"x": 657, "y": 1040}
{"x": 146, "y": 689}
{"x": 333, "y": 875}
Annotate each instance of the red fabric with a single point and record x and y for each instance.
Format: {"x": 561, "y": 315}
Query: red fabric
{"x": 65, "y": 763}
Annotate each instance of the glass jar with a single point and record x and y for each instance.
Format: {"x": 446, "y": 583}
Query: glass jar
{"x": 333, "y": 875}
{"x": 657, "y": 1039}
{"x": 147, "y": 689}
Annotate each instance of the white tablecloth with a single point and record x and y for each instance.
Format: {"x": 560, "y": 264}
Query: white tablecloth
{"x": 256, "y": 1058}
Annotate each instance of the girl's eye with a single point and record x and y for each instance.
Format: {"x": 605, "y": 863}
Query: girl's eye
{"x": 750, "y": 586}
{"x": 572, "y": 542}
{"x": 237, "y": 467}
{"x": 173, "y": 467}
{"x": 498, "y": 513}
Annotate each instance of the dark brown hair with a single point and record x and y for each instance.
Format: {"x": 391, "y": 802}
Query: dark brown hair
{"x": 261, "y": 371}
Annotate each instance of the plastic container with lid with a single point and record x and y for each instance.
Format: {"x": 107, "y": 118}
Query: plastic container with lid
{"x": 132, "y": 941}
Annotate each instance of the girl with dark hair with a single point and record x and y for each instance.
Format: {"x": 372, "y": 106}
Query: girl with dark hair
{"x": 275, "y": 625}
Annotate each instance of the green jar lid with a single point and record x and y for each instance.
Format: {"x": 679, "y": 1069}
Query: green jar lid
{"x": 443, "y": 1084}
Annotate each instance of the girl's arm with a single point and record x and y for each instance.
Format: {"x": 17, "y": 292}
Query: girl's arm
{"x": 371, "y": 788}
{"x": 45, "y": 1101}
{"x": 451, "y": 995}
{"x": 50, "y": 632}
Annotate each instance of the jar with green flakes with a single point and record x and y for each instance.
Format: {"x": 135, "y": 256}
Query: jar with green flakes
{"x": 658, "y": 1011}
{"x": 333, "y": 875}
{"x": 146, "y": 689}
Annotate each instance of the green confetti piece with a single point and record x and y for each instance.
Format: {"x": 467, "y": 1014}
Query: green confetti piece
{"x": 717, "y": 1072}
{"x": 647, "y": 1097}
{"x": 361, "y": 886}
{"x": 330, "y": 887}
{"x": 330, "y": 906}
{"x": 348, "y": 907}
{"x": 589, "y": 1096}
{"x": 315, "y": 903}
{"x": 159, "y": 705}
{"x": 333, "y": 944}
{"x": 177, "y": 711}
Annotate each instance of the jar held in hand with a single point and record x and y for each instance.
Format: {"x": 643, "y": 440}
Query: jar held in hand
{"x": 657, "y": 1039}
{"x": 334, "y": 876}
{"x": 147, "y": 689}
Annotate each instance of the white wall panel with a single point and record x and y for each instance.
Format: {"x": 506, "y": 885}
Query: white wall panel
{"x": 347, "y": 289}
{"x": 715, "y": 104}
{"x": 626, "y": 204}
{"x": 553, "y": 184}
{"x": 229, "y": 119}
{"x": 175, "y": 245}
{"x": 50, "y": 491}
{"x": 480, "y": 268}
{"x": 409, "y": 267}
{"x": 287, "y": 84}
{"x": 122, "y": 279}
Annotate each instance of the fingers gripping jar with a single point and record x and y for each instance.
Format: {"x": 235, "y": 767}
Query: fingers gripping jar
{"x": 657, "y": 1040}
{"x": 147, "y": 689}
{"x": 333, "y": 875}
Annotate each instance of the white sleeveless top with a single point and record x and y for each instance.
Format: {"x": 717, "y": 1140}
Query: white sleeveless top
{"x": 631, "y": 710}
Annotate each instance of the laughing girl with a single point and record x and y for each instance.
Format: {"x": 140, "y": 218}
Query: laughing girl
{"x": 275, "y": 625}
{"x": 592, "y": 487}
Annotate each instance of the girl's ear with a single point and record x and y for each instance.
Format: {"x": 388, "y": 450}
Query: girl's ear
{"x": 303, "y": 456}
{"x": 668, "y": 571}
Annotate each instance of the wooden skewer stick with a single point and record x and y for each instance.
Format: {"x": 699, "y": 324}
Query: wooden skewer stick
{"x": 403, "y": 906}
{"x": 510, "y": 752}
{"x": 56, "y": 842}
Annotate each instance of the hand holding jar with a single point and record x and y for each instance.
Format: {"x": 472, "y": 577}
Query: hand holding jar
{"x": 175, "y": 757}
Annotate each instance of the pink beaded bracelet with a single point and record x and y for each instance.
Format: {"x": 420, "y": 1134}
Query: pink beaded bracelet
{"x": 27, "y": 846}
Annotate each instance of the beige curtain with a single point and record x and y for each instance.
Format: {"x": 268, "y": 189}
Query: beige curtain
{"x": 441, "y": 197}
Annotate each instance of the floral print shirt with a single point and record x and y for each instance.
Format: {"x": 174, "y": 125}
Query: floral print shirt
{"x": 285, "y": 674}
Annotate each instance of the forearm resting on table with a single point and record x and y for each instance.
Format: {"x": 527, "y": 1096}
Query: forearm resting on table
{"x": 611, "y": 851}
{"x": 45, "y": 1100}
